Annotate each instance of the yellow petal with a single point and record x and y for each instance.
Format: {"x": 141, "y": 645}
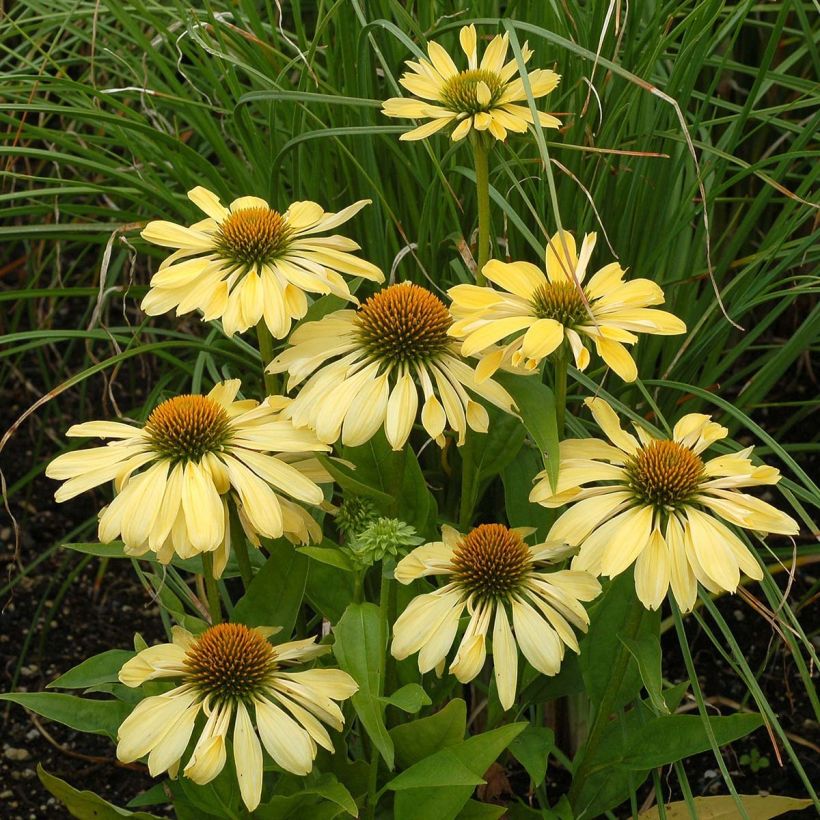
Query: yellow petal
{"x": 505, "y": 659}
{"x": 208, "y": 202}
{"x": 520, "y": 278}
{"x": 607, "y": 420}
{"x": 402, "y": 407}
{"x": 247, "y": 755}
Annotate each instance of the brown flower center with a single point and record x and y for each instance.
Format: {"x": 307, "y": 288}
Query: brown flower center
{"x": 230, "y": 662}
{"x": 250, "y": 237}
{"x": 665, "y": 473}
{"x": 491, "y": 561}
{"x": 404, "y": 324}
{"x": 460, "y": 93}
{"x": 561, "y": 301}
{"x": 184, "y": 428}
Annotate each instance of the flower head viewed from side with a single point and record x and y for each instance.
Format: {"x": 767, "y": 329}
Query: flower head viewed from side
{"x": 656, "y": 503}
{"x": 486, "y": 96}
{"x": 535, "y": 312}
{"x": 382, "y": 354}
{"x": 493, "y": 573}
{"x": 242, "y": 686}
{"x": 175, "y": 475}
{"x": 248, "y": 262}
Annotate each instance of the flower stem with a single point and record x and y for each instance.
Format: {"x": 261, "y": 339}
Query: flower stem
{"x": 482, "y": 186}
{"x": 211, "y": 589}
{"x": 631, "y": 626}
{"x": 265, "y": 339}
{"x": 373, "y": 779}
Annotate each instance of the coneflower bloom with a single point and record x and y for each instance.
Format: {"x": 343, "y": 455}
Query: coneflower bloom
{"x": 382, "y": 354}
{"x": 497, "y": 577}
{"x": 244, "y": 688}
{"x": 486, "y": 96}
{"x": 175, "y": 475}
{"x": 249, "y": 262}
{"x": 656, "y": 503}
{"x": 534, "y": 312}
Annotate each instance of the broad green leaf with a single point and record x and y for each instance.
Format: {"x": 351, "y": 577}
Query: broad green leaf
{"x": 96, "y": 717}
{"x": 531, "y": 749}
{"x": 647, "y": 653}
{"x": 536, "y": 403}
{"x": 616, "y": 612}
{"x": 329, "y": 591}
{"x": 452, "y": 771}
{"x": 423, "y": 737}
{"x": 359, "y": 647}
{"x": 410, "y": 698}
{"x": 348, "y": 480}
{"x": 85, "y": 804}
{"x": 675, "y": 737}
{"x": 475, "y": 810}
{"x": 758, "y": 807}
{"x": 102, "y": 668}
{"x": 332, "y": 556}
{"x": 517, "y": 478}
{"x": 397, "y": 479}
{"x": 636, "y": 742}
{"x": 485, "y": 455}
{"x": 276, "y": 592}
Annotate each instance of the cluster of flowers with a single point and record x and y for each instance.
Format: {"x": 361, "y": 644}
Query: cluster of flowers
{"x": 206, "y": 469}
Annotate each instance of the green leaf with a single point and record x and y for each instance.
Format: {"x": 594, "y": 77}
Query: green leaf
{"x": 647, "y": 653}
{"x": 347, "y": 480}
{"x": 475, "y": 810}
{"x": 485, "y": 455}
{"x": 96, "y": 717}
{"x": 531, "y": 749}
{"x": 517, "y": 478}
{"x": 758, "y": 807}
{"x": 397, "y": 479}
{"x": 423, "y": 737}
{"x": 600, "y": 646}
{"x": 637, "y": 742}
{"x": 410, "y": 698}
{"x": 102, "y": 668}
{"x": 276, "y": 592}
{"x": 665, "y": 739}
{"x": 536, "y": 404}
{"x": 329, "y": 591}
{"x": 452, "y": 773}
{"x": 86, "y": 805}
{"x": 359, "y": 647}
{"x": 332, "y": 556}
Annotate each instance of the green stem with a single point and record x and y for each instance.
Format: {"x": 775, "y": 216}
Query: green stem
{"x": 632, "y": 623}
{"x": 561, "y": 364}
{"x": 482, "y": 186}
{"x": 211, "y": 589}
{"x": 373, "y": 779}
{"x": 265, "y": 339}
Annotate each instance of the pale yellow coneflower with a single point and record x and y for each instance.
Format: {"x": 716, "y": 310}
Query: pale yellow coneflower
{"x": 175, "y": 475}
{"x": 533, "y": 312}
{"x": 246, "y": 690}
{"x": 486, "y": 97}
{"x": 656, "y": 503}
{"x": 384, "y": 353}
{"x": 500, "y": 580}
{"x": 248, "y": 262}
